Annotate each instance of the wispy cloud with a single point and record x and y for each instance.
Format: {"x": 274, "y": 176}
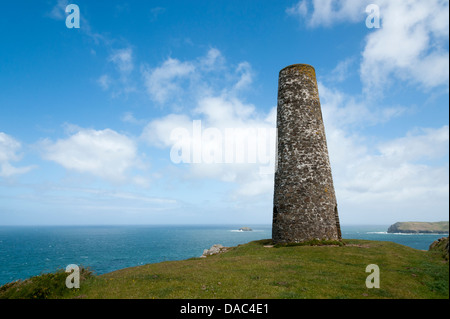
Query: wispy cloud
{"x": 120, "y": 81}
{"x": 9, "y": 148}
{"x": 122, "y": 59}
{"x": 342, "y": 70}
{"x": 58, "y": 11}
{"x": 402, "y": 177}
{"x": 104, "y": 81}
{"x": 326, "y": 13}
{"x": 156, "y": 12}
{"x": 195, "y": 78}
{"x": 165, "y": 81}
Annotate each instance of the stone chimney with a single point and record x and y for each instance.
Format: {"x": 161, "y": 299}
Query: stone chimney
{"x": 304, "y": 205}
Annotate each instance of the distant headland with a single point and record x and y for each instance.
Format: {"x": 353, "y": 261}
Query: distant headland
{"x": 419, "y": 227}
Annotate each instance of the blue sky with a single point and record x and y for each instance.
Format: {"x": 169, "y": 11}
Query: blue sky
{"x": 86, "y": 115}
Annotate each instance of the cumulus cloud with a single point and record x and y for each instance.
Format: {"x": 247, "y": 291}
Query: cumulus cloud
{"x": 103, "y": 153}
{"x": 395, "y": 169}
{"x": 402, "y": 177}
{"x": 411, "y": 45}
{"x": 391, "y": 181}
{"x": 158, "y": 131}
{"x": 228, "y": 127}
{"x": 9, "y": 148}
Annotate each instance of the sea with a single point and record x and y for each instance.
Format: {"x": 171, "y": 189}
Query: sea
{"x": 27, "y": 251}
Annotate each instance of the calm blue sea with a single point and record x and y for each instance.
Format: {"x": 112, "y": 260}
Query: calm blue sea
{"x": 28, "y": 251}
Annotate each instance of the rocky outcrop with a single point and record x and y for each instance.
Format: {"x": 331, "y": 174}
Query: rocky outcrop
{"x": 215, "y": 249}
{"x": 441, "y": 245}
{"x": 245, "y": 229}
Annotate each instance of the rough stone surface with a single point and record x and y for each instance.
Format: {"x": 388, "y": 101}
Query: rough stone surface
{"x": 215, "y": 249}
{"x": 305, "y": 205}
{"x": 441, "y": 245}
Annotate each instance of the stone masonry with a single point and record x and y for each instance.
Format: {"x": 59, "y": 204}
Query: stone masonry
{"x": 304, "y": 205}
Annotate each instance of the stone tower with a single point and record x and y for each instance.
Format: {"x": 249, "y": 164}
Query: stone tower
{"x": 304, "y": 204}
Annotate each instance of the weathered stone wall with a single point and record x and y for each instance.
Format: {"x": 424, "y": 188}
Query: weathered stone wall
{"x": 305, "y": 205}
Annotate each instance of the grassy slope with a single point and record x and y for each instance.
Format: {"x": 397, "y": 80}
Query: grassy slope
{"x": 254, "y": 271}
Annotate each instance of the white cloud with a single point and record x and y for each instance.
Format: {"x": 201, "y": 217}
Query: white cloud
{"x": 342, "y": 70}
{"x": 220, "y": 113}
{"x": 121, "y": 81}
{"x": 219, "y": 109}
{"x": 328, "y": 12}
{"x": 123, "y": 59}
{"x": 417, "y": 145}
{"x": 411, "y": 45}
{"x": 213, "y": 59}
{"x": 300, "y": 9}
{"x": 246, "y": 76}
{"x": 9, "y": 148}
{"x": 225, "y": 111}
{"x": 104, "y": 81}
{"x": 400, "y": 178}
{"x": 342, "y": 110}
{"x": 164, "y": 81}
{"x": 103, "y": 153}
{"x": 128, "y": 117}
{"x": 58, "y": 11}
{"x": 158, "y": 131}
{"x": 188, "y": 81}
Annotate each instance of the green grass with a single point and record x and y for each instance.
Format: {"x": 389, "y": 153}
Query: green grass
{"x": 254, "y": 271}
{"x": 44, "y": 286}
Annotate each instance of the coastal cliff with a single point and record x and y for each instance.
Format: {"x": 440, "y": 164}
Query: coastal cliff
{"x": 419, "y": 227}
{"x": 441, "y": 246}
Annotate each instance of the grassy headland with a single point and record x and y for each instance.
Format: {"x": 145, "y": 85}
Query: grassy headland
{"x": 257, "y": 270}
{"x": 419, "y": 227}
